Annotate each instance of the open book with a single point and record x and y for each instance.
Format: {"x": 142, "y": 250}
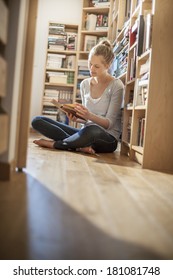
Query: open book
{"x": 67, "y": 108}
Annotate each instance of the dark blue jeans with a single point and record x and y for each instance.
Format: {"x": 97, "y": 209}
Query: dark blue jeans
{"x": 70, "y": 138}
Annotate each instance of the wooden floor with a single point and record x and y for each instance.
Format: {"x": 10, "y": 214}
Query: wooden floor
{"x": 67, "y": 205}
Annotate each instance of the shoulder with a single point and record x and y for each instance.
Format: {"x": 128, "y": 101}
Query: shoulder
{"x": 118, "y": 84}
{"x": 85, "y": 82}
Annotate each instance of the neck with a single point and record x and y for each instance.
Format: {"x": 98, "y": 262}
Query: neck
{"x": 102, "y": 79}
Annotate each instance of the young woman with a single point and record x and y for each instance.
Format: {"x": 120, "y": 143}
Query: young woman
{"x": 102, "y": 97}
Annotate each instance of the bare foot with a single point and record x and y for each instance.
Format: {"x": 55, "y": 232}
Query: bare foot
{"x": 44, "y": 143}
{"x": 88, "y": 150}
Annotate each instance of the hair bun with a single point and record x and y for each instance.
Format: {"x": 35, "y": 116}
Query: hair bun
{"x": 106, "y": 43}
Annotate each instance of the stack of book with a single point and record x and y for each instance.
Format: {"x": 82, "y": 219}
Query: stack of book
{"x": 83, "y": 71}
{"x": 101, "y": 3}
{"x": 57, "y": 43}
{"x": 51, "y": 93}
{"x": 91, "y": 20}
{"x": 57, "y": 38}
{"x": 56, "y": 28}
{"x": 96, "y": 22}
{"x": 70, "y": 77}
{"x": 55, "y": 60}
{"x": 70, "y": 62}
{"x": 141, "y": 92}
{"x": 50, "y": 112}
{"x": 63, "y": 96}
{"x": 57, "y": 77}
{"x": 71, "y": 41}
{"x": 102, "y": 22}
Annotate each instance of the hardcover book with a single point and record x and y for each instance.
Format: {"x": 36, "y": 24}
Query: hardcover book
{"x": 67, "y": 108}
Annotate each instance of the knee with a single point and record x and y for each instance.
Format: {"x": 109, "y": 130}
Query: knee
{"x": 94, "y": 130}
{"x": 36, "y": 121}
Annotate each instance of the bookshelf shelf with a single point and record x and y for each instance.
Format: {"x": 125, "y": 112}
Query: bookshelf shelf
{"x": 96, "y": 10}
{"x": 138, "y": 149}
{"x": 122, "y": 76}
{"x": 126, "y": 143}
{"x": 115, "y": 16}
{"x": 145, "y": 55}
{"x": 136, "y": 12}
{"x": 82, "y": 77}
{"x": 59, "y": 85}
{"x": 145, "y": 105}
{"x": 95, "y": 32}
{"x": 132, "y": 47}
{"x": 140, "y": 107}
{"x": 60, "y": 69}
{"x": 130, "y": 108}
{"x": 121, "y": 33}
{"x": 132, "y": 81}
{"x": 61, "y": 52}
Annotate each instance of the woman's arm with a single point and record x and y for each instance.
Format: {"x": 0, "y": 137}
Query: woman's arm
{"x": 83, "y": 112}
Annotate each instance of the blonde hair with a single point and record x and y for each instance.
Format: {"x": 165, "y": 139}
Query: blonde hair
{"x": 104, "y": 49}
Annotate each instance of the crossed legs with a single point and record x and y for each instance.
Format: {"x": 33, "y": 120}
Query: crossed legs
{"x": 89, "y": 139}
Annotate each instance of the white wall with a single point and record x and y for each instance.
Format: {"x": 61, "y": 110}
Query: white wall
{"x": 63, "y": 11}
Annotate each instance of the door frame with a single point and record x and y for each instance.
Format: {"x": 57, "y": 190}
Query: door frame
{"x": 26, "y": 92}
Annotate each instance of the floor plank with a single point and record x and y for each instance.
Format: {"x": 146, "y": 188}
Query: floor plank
{"x": 68, "y": 205}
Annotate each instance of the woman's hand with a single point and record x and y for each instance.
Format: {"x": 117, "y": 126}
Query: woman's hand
{"x": 71, "y": 117}
{"x": 75, "y": 119}
{"x": 82, "y": 111}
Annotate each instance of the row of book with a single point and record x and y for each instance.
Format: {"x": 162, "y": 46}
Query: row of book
{"x": 100, "y": 3}
{"x": 96, "y": 22}
{"x": 140, "y": 132}
{"x": 141, "y": 31}
{"x": 119, "y": 65}
{"x": 141, "y": 93}
{"x": 58, "y": 61}
{"x": 63, "y": 96}
{"x": 59, "y": 39}
{"x": 129, "y": 125}
{"x": 142, "y": 84}
{"x": 60, "y": 77}
{"x": 83, "y": 70}
{"x": 55, "y": 114}
{"x": 121, "y": 53}
{"x": 50, "y": 110}
{"x": 129, "y": 102}
{"x": 139, "y": 34}
{"x": 132, "y": 65}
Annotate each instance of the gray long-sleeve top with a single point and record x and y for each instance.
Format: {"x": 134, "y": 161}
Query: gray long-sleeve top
{"x": 109, "y": 105}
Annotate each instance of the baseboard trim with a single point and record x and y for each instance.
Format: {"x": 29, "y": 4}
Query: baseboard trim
{"x": 6, "y": 168}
